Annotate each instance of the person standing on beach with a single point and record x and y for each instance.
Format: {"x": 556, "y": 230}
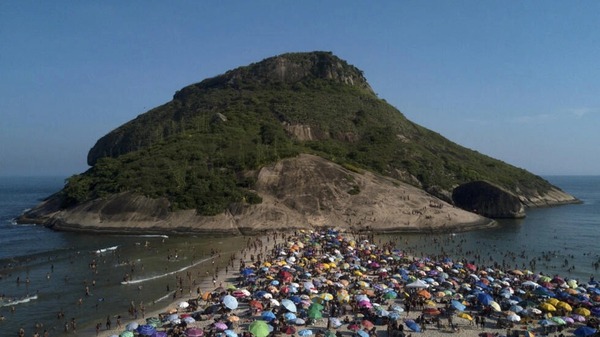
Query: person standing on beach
{"x": 108, "y": 322}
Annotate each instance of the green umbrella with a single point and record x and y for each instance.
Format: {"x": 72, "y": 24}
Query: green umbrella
{"x": 126, "y": 334}
{"x": 154, "y": 321}
{"x": 390, "y": 295}
{"x": 316, "y": 306}
{"x": 259, "y": 328}
{"x": 314, "y": 313}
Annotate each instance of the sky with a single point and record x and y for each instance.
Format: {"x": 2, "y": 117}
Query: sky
{"x": 515, "y": 80}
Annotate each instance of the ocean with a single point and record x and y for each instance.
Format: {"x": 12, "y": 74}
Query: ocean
{"x": 44, "y": 273}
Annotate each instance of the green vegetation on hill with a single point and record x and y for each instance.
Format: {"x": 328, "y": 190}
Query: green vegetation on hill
{"x": 200, "y": 149}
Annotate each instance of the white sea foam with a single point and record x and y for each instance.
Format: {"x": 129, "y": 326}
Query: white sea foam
{"x": 18, "y": 301}
{"x": 104, "y": 250}
{"x": 166, "y": 274}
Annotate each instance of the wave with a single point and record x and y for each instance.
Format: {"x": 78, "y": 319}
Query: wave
{"x": 153, "y": 236}
{"x": 104, "y": 250}
{"x": 7, "y": 302}
{"x": 164, "y": 297}
{"x": 166, "y": 274}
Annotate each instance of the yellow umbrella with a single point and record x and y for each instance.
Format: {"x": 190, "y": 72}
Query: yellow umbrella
{"x": 495, "y": 306}
{"x": 430, "y": 304}
{"x": 326, "y": 296}
{"x": 465, "y": 316}
{"x": 547, "y": 307}
{"x": 553, "y": 301}
{"x": 583, "y": 311}
{"x": 358, "y": 273}
{"x": 564, "y": 305}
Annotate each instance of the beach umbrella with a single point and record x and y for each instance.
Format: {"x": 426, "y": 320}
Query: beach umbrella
{"x": 584, "y": 331}
{"x": 583, "y": 311}
{"x": 547, "y": 307}
{"x": 367, "y": 324}
{"x": 154, "y": 321}
{"x": 314, "y": 313}
{"x": 516, "y": 308}
{"x": 159, "y": 334}
{"x": 546, "y": 322}
{"x": 412, "y": 325}
{"x": 485, "y": 298}
{"x": 299, "y": 321}
{"x": 183, "y": 305}
{"x": 578, "y": 318}
{"x": 255, "y": 304}
{"x": 558, "y": 320}
{"x": 289, "y": 316}
{"x": 189, "y": 319}
{"x": 362, "y": 333}
{"x": 353, "y": 327}
{"x": 458, "y": 305}
{"x": 494, "y": 305}
{"x": 289, "y": 305}
{"x": 289, "y": 330}
{"x": 431, "y": 311}
{"x": 233, "y": 318}
{"x": 194, "y": 332}
{"x": 388, "y": 295}
{"x": 513, "y": 318}
{"x": 305, "y": 332}
{"x": 267, "y": 316}
{"x": 229, "y": 302}
{"x": 259, "y": 328}
{"x": 146, "y": 330}
{"x": 220, "y": 326}
{"x": 126, "y": 334}
{"x": 131, "y": 326}
{"x": 464, "y": 315}
{"x": 335, "y": 322}
{"x": 230, "y": 333}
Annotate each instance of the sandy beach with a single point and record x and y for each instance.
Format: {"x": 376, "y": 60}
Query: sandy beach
{"x": 427, "y": 304}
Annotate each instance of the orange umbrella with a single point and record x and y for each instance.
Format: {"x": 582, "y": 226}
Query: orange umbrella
{"x": 424, "y": 293}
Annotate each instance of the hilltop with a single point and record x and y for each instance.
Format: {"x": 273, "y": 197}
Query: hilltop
{"x": 210, "y": 160}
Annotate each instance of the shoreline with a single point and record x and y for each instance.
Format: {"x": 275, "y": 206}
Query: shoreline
{"x": 462, "y": 328}
{"x": 204, "y": 283}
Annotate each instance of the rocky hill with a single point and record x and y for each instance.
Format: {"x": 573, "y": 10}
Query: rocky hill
{"x": 292, "y": 141}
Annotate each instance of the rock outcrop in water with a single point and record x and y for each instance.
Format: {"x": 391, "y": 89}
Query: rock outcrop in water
{"x": 296, "y": 140}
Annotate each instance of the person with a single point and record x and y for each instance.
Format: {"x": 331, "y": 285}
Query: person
{"x": 98, "y": 326}
{"x": 108, "y": 322}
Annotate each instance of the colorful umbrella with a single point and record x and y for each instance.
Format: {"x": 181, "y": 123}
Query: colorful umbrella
{"x": 259, "y": 328}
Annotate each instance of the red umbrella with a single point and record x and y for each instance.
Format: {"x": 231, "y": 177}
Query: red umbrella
{"x": 353, "y": 327}
{"x": 367, "y": 324}
{"x": 288, "y": 330}
{"x": 255, "y": 304}
{"x": 431, "y": 311}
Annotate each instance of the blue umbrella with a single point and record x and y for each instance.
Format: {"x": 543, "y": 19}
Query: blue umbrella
{"x": 289, "y": 316}
{"x": 305, "y": 332}
{"x": 413, "y": 325}
{"x": 295, "y": 299}
{"x": 458, "y": 306}
{"x": 584, "y": 331}
{"x": 289, "y": 305}
{"x": 362, "y": 333}
{"x": 230, "y": 333}
{"x": 146, "y": 330}
{"x": 485, "y": 298}
{"x": 230, "y": 302}
{"x": 268, "y": 316}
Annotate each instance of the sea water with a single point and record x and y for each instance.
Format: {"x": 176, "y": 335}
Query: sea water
{"x": 87, "y": 276}
{"x": 53, "y": 269}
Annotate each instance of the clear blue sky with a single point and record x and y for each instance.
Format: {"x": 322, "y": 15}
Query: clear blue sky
{"x": 516, "y": 80}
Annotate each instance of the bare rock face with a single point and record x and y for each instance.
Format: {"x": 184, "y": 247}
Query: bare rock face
{"x": 302, "y": 192}
{"x": 486, "y": 199}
